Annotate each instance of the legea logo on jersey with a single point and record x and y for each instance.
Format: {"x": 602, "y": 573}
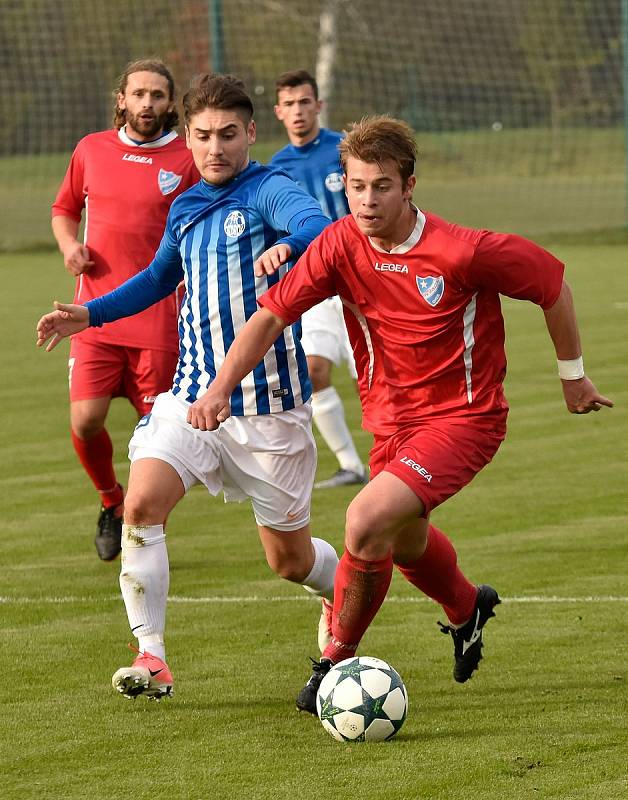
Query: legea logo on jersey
{"x": 431, "y": 289}
{"x": 333, "y": 182}
{"x": 388, "y": 266}
{"x": 168, "y": 181}
{"x": 234, "y": 224}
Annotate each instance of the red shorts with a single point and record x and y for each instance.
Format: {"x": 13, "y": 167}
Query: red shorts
{"x": 109, "y": 370}
{"x": 436, "y": 458}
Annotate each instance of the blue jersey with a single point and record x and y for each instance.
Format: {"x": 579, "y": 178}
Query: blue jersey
{"x": 316, "y": 168}
{"x": 213, "y": 236}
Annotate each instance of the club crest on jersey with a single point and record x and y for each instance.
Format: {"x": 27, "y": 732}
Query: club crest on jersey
{"x": 168, "y": 181}
{"x": 431, "y": 288}
{"x": 333, "y": 182}
{"x": 234, "y": 224}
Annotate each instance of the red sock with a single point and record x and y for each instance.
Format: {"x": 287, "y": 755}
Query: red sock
{"x": 437, "y": 575}
{"x": 96, "y": 456}
{"x": 359, "y": 590}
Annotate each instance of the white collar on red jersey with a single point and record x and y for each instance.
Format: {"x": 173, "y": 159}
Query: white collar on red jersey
{"x": 165, "y": 139}
{"x": 414, "y": 237}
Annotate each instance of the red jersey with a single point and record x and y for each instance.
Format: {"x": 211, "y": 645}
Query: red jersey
{"x": 425, "y": 320}
{"x": 127, "y": 191}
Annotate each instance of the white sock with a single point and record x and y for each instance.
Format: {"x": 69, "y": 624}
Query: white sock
{"x": 329, "y": 416}
{"x": 144, "y": 582}
{"x": 320, "y": 581}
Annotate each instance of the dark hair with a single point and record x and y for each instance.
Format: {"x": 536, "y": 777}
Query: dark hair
{"x": 379, "y": 139}
{"x": 217, "y": 91}
{"x": 144, "y": 65}
{"x": 296, "y": 77}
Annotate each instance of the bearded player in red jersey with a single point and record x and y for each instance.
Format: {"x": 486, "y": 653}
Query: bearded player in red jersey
{"x": 125, "y": 179}
{"x": 421, "y": 303}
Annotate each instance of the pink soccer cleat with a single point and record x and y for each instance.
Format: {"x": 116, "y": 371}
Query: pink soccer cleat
{"x": 147, "y": 675}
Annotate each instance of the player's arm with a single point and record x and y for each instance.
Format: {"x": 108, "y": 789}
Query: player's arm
{"x": 287, "y": 207}
{"x": 247, "y": 350}
{"x": 76, "y": 255}
{"x": 143, "y": 290}
{"x": 581, "y": 396}
{"x": 516, "y": 267}
{"x": 66, "y": 214}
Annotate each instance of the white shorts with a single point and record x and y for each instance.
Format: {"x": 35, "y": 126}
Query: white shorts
{"x": 269, "y": 458}
{"x": 325, "y": 334}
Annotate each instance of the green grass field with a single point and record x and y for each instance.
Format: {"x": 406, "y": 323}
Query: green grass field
{"x": 546, "y": 523}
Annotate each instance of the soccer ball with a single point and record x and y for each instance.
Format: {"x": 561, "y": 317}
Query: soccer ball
{"x": 362, "y": 700}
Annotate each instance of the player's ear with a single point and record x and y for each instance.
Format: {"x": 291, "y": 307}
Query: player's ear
{"x": 251, "y": 132}
{"x": 188, "y": 141}
{"x": 409, "y": 188}
{"x": 278, "y": 112}
{"x": 120, "y": 101}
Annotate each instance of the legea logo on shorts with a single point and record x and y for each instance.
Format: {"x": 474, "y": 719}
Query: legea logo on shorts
{"x": 234, "y": 224}
{"x": 333, "y": 182}
{"x": 417, "y": 468}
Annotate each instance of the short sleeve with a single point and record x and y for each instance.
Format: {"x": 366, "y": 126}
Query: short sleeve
{"x": 70, "y": 199}
{"x": 516, "y": 267}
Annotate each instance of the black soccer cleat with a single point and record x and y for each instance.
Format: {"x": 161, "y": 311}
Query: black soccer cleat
{"x": 108, "y": 539}
{"x": 468, "y": 639}
{"x": 306, "y": 699}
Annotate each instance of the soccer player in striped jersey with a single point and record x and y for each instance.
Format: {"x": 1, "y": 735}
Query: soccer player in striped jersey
{"x": 230, "y": 238}
{"x": 124, "y": 180}
{"x": 312, "y": 159}
{"x": 421, "y": 300}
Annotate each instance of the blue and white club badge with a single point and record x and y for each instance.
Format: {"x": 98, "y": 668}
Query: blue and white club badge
{"x": 168, "y": 181}
{"x": 235, "y": 224}
{"x": 431, "y": 289}
{"x": 334, "y": 183}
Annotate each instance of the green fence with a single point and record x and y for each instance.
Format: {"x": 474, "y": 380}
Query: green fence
{"x": 518, "y": 105}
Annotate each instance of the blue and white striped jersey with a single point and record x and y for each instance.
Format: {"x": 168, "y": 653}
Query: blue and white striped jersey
{"x": 316, "y": 168}
{"x": 212, "y": 238}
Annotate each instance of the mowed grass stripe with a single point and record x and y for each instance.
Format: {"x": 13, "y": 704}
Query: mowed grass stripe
{"x": 86, "y": 600}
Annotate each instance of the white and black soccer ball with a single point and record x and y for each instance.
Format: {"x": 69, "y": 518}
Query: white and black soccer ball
{"x": 362, "y": 699}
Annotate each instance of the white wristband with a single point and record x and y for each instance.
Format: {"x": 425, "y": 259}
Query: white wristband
{"x": 571, "y": 370}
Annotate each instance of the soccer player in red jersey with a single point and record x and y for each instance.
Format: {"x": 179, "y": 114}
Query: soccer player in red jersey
{"x": 125, "y": 179}
{"x": 421, "y": 303}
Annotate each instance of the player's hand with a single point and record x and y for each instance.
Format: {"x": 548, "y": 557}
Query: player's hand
{"x": 582, "y": 397}
{"x": 76, "y": 258}
{"x": 270, "y": 260}
{"x": 66, "y": 320}
{"x": 206, "y": 413}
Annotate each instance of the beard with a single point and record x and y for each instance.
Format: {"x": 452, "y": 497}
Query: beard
{"x": 146, "y": 127}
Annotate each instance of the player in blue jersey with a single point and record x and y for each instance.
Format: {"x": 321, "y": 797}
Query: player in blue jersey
{"x": 230, "y": 238}
{"x": 313, "y": 161}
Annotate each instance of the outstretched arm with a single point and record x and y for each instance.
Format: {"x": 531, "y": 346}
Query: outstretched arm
{"x": 248, "y": 349}
{"x": 581, "y": 396}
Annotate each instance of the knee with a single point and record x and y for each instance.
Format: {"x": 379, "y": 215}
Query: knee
{"x": 319, "y": 369}
{"x": 87, "y": 426}
{"x": 140, "y": 510}
{"x": 365, "y": 537}
{"x": 287, "y": 566}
